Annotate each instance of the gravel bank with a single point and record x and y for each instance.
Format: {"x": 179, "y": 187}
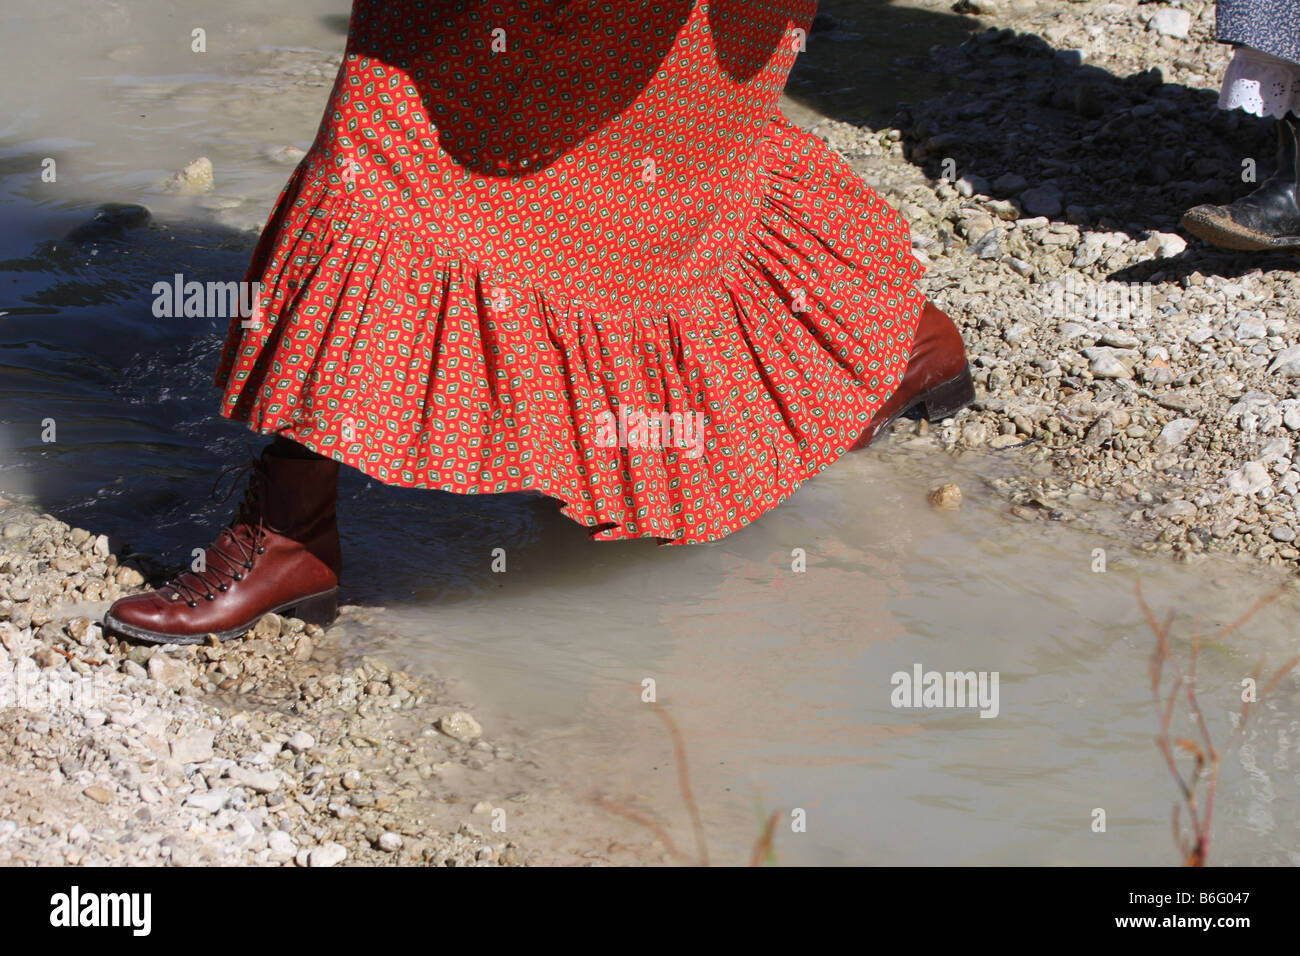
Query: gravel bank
{"x": 1127, "y": 374}
{"x": 277, "y": 749}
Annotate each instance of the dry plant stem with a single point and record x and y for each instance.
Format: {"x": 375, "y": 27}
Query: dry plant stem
{"x": 74, "y": 657}
{"x": 764, "y": 845}
{"x": 1195, "y": 847}
{"x": 684, "y": 781}
{"x": 641, "y": 819}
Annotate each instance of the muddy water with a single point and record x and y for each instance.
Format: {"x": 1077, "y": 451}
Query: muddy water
{"x": 780, "y": 680}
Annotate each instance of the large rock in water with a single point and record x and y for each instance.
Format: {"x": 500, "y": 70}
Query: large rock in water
{"x": 110, "y": 221}
{"x": 461, "y": 726}
{"x": 192, "y": 178}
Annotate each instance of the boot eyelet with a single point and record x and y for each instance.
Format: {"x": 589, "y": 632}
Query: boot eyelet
{"x": 192, "y": 603}
{"x": 239, "y": 577}
{"x": 209, "y": 596}
{"x": 261, "y": 550}
{"x": 224, "y": 588}
{"x": 248, "y": 565}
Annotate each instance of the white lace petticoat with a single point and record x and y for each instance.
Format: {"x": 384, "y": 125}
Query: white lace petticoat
{"x": 1260, "y": 84}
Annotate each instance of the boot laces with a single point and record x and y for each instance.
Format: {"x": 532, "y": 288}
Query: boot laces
{"x": 245, "y": 531}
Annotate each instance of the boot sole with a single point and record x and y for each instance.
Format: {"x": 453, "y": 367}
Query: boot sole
{"x": 320, "y": 609}
{"x": 1229, "y": 235}
{"x": 943, "y": 401}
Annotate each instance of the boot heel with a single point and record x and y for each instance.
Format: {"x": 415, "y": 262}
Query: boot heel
{"x": 944, "y": 401}
{"x": 319, "y": 609}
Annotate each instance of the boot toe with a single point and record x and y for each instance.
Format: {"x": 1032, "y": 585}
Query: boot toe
{"x": 1227, "y": 228}
{"x": 1206, "y": 212}
{"x": 149, "y": 612}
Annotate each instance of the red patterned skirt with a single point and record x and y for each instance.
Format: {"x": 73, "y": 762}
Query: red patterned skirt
{"x": 573, "y": 247}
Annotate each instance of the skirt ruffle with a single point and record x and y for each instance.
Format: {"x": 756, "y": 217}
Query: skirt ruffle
{"x": 421, "y": 368}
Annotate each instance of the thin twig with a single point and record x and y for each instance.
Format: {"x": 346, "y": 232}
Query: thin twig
{"x": 1194, "y": 841}
{"x": 74, "y": 657}
{"x": 764, "y": 845}
{"x": 684, "y": 781}
{"x": 641, "y": 819}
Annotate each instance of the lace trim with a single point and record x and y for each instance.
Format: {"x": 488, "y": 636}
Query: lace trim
{"x": 1260, "y": 84}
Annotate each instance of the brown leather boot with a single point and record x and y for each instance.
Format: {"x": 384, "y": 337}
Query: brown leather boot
{"x": 937, "y": 379}
{"x": 280, "y": 553}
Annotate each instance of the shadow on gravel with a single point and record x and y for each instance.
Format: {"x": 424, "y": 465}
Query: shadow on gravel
{"x": 864, "y": 57}
{"x": 1114, "y": 153}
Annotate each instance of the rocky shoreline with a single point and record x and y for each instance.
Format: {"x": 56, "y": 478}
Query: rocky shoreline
{"x": 1130, "y": 379}
{"x": 280, "y": 748}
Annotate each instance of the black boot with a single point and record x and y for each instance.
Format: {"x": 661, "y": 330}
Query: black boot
{"x": 1269, "y": 218}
